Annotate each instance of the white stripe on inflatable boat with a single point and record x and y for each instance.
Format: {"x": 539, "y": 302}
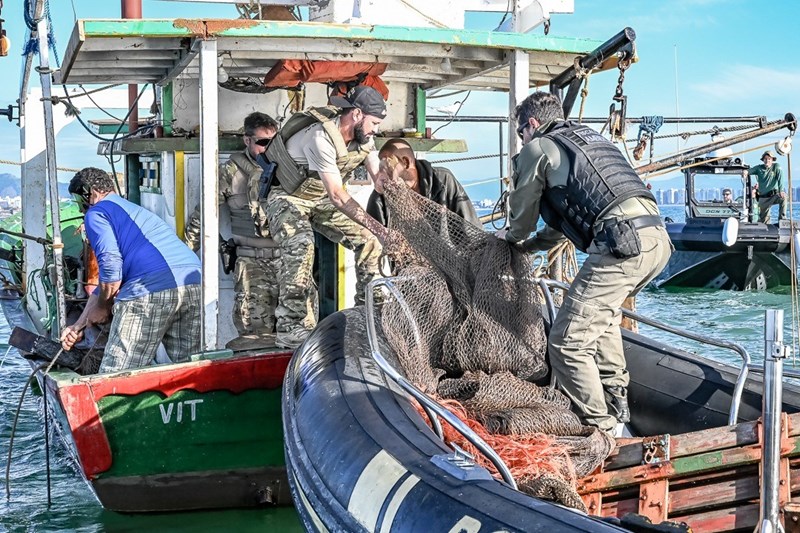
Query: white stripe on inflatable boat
{"x": 373, "y": 487}
{"x": 397, "y": 499}
{"x": 310, "y": 510}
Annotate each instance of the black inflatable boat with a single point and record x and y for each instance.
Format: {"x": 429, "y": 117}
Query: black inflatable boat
{"x": 361, "y": 458}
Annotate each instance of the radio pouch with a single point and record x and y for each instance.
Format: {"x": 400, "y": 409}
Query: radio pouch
{"x": 622, "y": 239}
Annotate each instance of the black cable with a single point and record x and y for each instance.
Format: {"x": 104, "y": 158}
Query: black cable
{"x": 110, "y": 156}
{"x": 460, "y": 105}
{"x": 88, "y": 95}
{"x": 14, "y": 427}
{"x": 505, "y": 15}
{"x": 47, "y": 446}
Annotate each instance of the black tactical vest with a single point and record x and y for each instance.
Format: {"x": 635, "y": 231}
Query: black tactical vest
{"x": 599, "y": 179}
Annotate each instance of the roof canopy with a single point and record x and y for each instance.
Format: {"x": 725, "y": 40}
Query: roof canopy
{"x": 158, "y": 51}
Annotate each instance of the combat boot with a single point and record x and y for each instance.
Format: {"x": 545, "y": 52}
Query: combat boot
{"x": 291, "y": 339}
{"x": 617, "y": 403}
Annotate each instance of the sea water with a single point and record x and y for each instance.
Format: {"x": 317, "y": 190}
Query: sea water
{"x": 733, "y": 316}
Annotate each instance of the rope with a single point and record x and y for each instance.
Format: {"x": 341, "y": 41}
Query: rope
{"x": 470, "y": 158}
{"x": 584, "y": 91}
{"x": 427, "y": 17}
{"x": 14, "y": 428}
{"x": 793, "y": 258}
{"x": 686, "y": 134}
{"x": 62, "y": 169}
{"x": 706, "y": 161}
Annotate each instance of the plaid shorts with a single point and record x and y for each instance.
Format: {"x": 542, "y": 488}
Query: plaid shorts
{"x": 171, "y": 316}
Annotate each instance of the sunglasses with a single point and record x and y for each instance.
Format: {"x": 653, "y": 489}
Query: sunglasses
{"x": 82, "y": 201}
{"x": 263, "y": 141}
{"x": 521, "y": 129}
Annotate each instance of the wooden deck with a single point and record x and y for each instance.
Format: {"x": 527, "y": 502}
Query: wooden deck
{"x": 708, "y": 479}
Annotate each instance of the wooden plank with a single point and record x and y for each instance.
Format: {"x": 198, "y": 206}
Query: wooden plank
{"x": 743, "y": 517}
{"x": 706, "y": 440}
{"x": 620, "y": 508}
{"x": 653, "y": 500}
{"x": 682, "y": 466}
{"x": 725, "y": 493}
{"x": 593, "y": 503}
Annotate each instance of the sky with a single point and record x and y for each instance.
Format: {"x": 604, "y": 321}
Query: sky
{"x": 696, "y": 58}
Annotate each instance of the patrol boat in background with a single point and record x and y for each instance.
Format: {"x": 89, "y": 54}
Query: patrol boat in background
{"x": 722, "y": 245}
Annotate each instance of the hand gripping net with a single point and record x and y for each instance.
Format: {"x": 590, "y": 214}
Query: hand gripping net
{"x": 476, "y": 336}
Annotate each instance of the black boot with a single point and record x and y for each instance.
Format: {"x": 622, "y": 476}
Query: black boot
{"x": 617, "y": 403}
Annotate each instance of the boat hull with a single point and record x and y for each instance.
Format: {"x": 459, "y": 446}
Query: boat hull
{"x": 759, "y": 260}
{"x": 367, "y": 461}
{"x": 360, "y": 457}
{"x": 197, "y": 435}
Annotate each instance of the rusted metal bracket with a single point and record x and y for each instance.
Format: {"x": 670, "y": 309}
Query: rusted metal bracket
{"x": 655, "y": 449}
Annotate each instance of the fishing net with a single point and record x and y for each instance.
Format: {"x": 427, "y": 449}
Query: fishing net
{"x": 465, "y": 325}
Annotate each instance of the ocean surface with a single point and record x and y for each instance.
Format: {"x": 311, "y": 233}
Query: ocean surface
{"x": 733, "y": 316}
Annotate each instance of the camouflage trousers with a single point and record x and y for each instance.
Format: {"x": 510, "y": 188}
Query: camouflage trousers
{"x": 171, "y": 316}
{"x": 256, "y": 295}
{"x": 292, "y": 223}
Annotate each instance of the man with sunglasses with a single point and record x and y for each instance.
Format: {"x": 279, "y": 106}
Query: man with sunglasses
{"x": 585, "y": 191}
{"x": 316, "y": 152}
{"x": 147, "y": 274}
{"x": 256, "y": 268}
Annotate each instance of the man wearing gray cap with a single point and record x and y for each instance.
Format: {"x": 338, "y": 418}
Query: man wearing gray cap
{"x": 316, "y": 152}
{"x": 770, "y": 187}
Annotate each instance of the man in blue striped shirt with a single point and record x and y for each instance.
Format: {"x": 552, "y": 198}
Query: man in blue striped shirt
{"x": 148, "y": 276}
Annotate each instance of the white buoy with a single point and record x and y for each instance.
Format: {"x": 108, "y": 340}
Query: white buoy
{"x": 730, "y": 231}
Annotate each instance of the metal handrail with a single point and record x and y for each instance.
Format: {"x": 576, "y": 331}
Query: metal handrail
{"x": 410, "y": 388}
{"x": 738, "y": 389}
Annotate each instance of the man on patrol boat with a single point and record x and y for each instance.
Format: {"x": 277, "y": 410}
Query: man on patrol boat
{"x": 257, "y": 254}
{"x": 586, "y": 192}
{"x": 316, "y": 152}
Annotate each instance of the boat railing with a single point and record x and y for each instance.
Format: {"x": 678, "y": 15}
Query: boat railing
{"x": 547, "y": 284}
{"x": 431, "y": 407}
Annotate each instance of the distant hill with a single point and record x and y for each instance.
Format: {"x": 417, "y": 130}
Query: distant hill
{"x": 10, "y": 186}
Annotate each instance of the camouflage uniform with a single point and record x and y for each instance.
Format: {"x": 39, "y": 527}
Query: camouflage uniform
{"x": 298, "y": 206}
{"x": 293, "y": 221}
{"x": 257, "y": 264}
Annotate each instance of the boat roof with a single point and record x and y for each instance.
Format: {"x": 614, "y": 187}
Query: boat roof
{"x": 161, "y": 50}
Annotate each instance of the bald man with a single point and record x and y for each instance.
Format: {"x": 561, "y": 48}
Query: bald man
{"x": 435, "y": 183}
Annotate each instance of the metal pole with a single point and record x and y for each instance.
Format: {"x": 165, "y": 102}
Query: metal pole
{"x": 774, "y": 354}
{"x": 52, "y": 173}
{"x": 209, "y": 212}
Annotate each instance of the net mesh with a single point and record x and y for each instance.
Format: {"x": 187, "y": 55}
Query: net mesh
{"x": 465, "y": 325}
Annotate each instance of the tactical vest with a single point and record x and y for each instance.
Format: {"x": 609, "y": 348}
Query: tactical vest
{"x": 599, "y": 179}
{"x": 239, "y": 202}
{"x": 297, "y": 179}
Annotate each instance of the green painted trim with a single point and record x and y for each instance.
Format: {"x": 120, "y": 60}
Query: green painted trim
{"x": 419, "y": 111}
{"x": 229, "y": 431}
{"x": 235, "y": 144}
{"x": 297, "y": 30}
{"x": 166, "y": 108}
{"x": 440, "y": 146}
{"x": 109, "y": 129}
{"x": 175, "y": 144}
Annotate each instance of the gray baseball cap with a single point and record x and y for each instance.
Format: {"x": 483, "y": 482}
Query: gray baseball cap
{"x": 364, "y": 98}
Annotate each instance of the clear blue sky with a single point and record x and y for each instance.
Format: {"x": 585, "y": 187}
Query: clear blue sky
{"x": 734, "y": 57}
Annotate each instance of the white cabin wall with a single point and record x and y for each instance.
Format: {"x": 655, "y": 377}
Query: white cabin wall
{"x": 417, "y": 13}
{"x": 233, "y": 106}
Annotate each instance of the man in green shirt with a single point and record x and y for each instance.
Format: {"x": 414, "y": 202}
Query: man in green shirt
{"x": 770, "y": 187}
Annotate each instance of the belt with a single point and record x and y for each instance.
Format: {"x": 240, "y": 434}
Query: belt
{"x": 640, "y": 222}
{"x": 769, "y": 194}
{"x": 258, "y": 253}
